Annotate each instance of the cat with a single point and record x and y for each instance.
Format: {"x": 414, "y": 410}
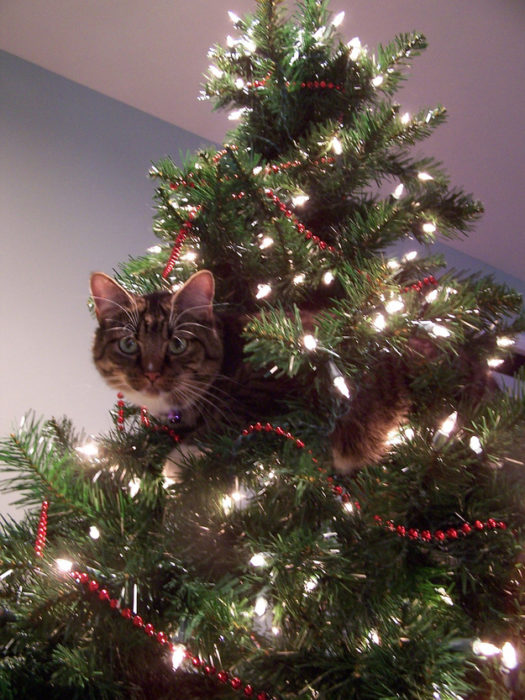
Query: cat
{"x": 174, "y": 354}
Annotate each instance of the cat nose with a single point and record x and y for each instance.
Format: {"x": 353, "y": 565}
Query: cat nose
{"x": 152, "y": 376}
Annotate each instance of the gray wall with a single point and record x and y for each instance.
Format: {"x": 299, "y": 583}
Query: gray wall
{"x": 75, "y": 197}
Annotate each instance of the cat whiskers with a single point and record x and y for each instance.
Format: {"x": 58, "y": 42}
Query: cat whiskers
{"x": 133, "y": 314}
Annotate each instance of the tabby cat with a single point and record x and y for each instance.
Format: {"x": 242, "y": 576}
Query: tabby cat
{"x": 183, "y": 360}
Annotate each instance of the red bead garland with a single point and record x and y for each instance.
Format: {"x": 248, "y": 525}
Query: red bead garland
{"x": 162, "y": 638}
{"x": 41, "y": 534}
{"x": 438, "y": 536}
{"x": 120, "y": 403}
{"x": 419, "y": 286}
{"x": 301, "y": 228}
{"x": 159, "y": 428}
{"x": 179, "y": 241}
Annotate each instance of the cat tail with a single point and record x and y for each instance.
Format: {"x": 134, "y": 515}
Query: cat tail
{"x": 380, "y": 405}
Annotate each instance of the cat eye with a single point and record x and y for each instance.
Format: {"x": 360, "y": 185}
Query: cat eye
{"x": 128, "y": 345}
{"x": 177, "y": 345}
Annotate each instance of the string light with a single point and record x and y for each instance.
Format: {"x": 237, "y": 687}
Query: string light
{"x": 379, "y": 322}
{"x": 378, "y": 80}
{"x": 239, "y": 83}
{"x": 394, "y": 305}
{"x": 429, "y": 227}
{"x": 64, "y": 565}
{"x": 134, "y": 487}
{"x": 341, "y": 386}
{"x": 439, "y": 331}
{"x": 484, "y": 648}
{"x": 227, "y": 504}
{"x": 338, "y": 19}
{"x": 266, "y": 242}
{"x": 504, "y": 342}
{"x": 444, "y": 596}
{"x": 393, "y": 264}
{"x": 424, "y": 177}
{"x": 309, "y": 342}
{"x": 299, "y": 279}
{"x": 299, "y": 199}
{"x": 495, "y": 362}
{"x": 432, "y": 296}
{"x": 509, "y": 656}
{"x": 411, "y": 255}
{"x": 328, "y": 277}
{"x": 261, "y": 605}
{"x": 263, "y": 290}
{"x": 90, "y": 449}
{"x": 311, "y": 584}
{"x": 475, "y": 444}
{"x": 94, "y": 532}
{"x": 258, "y": 560}
{"x": 449, "y": 424}
{"x": 190, "y": 256}
{"x": 237, "y": 114}
{"x": 405, "y": 118}
{"x": 355, "y": 45}
{"x": 233, "y": 17}
{"x": 336, "y": 146}
{"x": 216, "y": 72}
{"x": 154, "y": 249}
{"x": 398, "y": 192}
{"x": 257, "y": 170}
{"x": 178, "y": 656}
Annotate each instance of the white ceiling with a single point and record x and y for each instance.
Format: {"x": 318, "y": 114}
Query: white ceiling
{"x": 151, "y": 54}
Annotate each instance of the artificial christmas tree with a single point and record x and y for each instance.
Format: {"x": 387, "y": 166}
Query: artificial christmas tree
{"x": 262, "y": 572}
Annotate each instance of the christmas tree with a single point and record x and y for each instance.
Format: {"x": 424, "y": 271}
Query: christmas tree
{"x": 262, "y": 572}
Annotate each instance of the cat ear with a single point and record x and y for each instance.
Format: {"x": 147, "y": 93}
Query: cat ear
{"x": 197, "y": 293}
{"x": 108, "y": 295}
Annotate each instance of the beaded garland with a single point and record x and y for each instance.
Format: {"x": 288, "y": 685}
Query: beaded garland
{"x": 40, "y": 541}
{"x": 162, "y": 639}
{"x": 179, "y": 240}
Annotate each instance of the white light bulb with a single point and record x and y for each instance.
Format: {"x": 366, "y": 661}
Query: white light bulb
{"x": 475, "y": 444}
{"x": 429, "y": 227}
{"x": 236, "y": 496}
{"x": 505, "y": 342}
{"x": 379, "y": 322}
{"x": 178, "y": 656}
{"x": 405, "y": 118}
{"x": 258, "y": 560}
{"x": 154, "y": 249}
{"x": 439, "y": 331}
{"x": 495, "y": 362}
{"x": 263, "y": 290}
{"x": 394, "y": 305}
{"x": 444, "y": 596}
{"x": 261, "y": 605}
{"x": 432, "y": 296}
{"x": 378, "y": 80}
{"x": 230, "y": 41}
{"x": 216, "y": 72}
{"x": 134, "y": 487}
{"x": 300, "y": 199}
{"x": 484, "y": 648}
{"x": 64, "y": 565}
{"x": 336, "y": 145}
{"x": 355, "y": 45}
{"x": 309, "y": 342}
{"x": 338, "y": 19}
{"x": 424, "y": 177}
{"x": 299, "y": 279}
{"x": 239, "y": 83}
{"x": 227, "y": 504}
{"x": 90, "y": 449}
{"x": 237, "y": 114}
{"x": 509, "y": 657}
{"x": 349, "y": 507}
{"x": 190, "y": 256}
{"x": 449, "y": 424}
{"x": 94, "y": 532}
{"x": 311, "y": 584}
{"x": 411, "y": 255}
{"x": 257, "y": 170}
{"x": 393, "y": 264}
{"x": 328, "y": 277}
{"x": 276, "y": 631}
{"x": 341, "y": 386}
{"x": 398, "y": 192}
{"x": 233, "y": 17}
{"x": 266, "y": 242}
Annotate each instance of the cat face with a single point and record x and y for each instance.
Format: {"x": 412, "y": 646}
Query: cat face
{"x": 160, "y": 350}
